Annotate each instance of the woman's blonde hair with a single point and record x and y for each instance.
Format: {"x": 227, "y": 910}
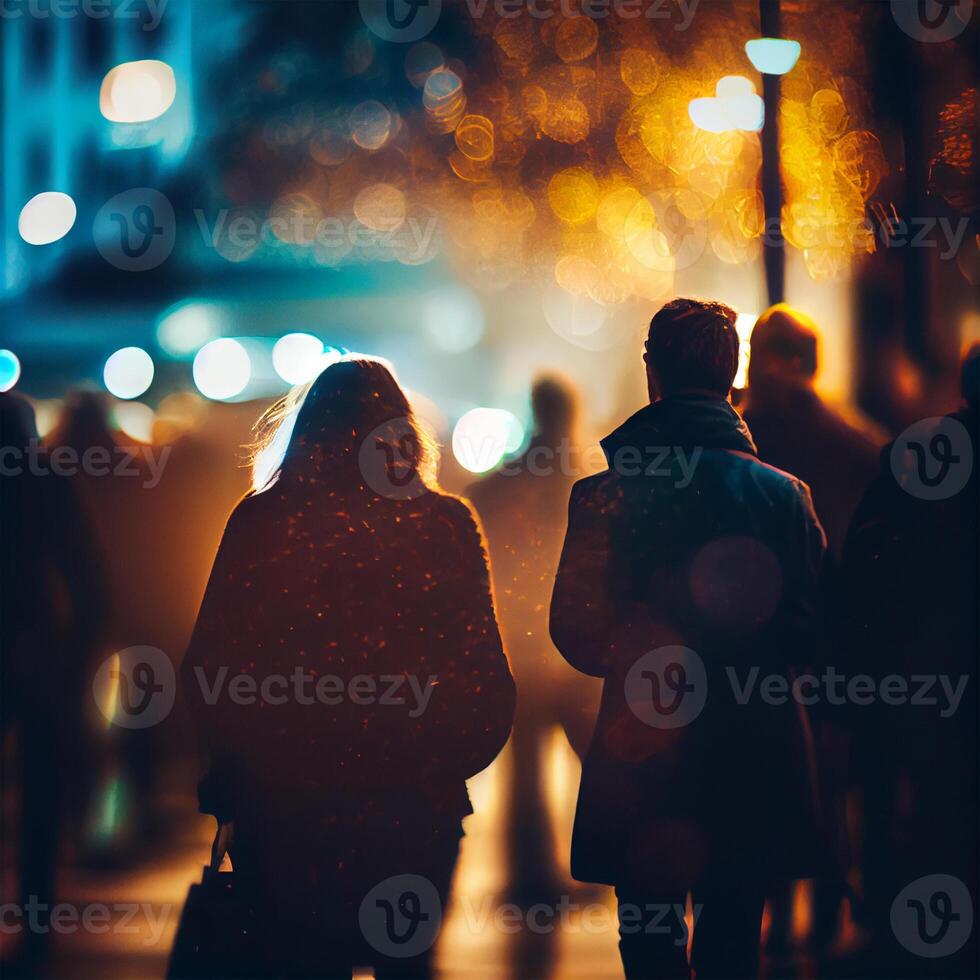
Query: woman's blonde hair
{"x": 317, "y": 429}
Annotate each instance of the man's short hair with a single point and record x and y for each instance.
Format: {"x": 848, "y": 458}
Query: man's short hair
{"x": 694, "y": 344}
{"x": 787, "y": 333}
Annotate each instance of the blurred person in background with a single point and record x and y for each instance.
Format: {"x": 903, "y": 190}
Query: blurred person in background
{"x": 118, "y": 499}
{"x": 797, "y": 431}
{"x": 347, "y": 565}
{"x": 117, "y": 503}
{"x": 911, "y": 581}
{"x": 53, "y": 616}
{"x": 207, "y": 452}
{"x": 523, "y": 509}
{"x": 687, "y": 557}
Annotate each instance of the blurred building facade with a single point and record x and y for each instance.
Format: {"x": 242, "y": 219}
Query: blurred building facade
{"x": 55, "y": 57}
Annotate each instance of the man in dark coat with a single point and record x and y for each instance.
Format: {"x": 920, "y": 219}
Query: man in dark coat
{"x": 689, "y": 582}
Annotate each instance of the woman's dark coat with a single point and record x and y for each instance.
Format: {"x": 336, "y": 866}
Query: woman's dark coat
{"x": 349, "y": 584}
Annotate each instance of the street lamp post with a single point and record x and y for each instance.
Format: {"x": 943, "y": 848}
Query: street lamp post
{"x": 774, "y": 252}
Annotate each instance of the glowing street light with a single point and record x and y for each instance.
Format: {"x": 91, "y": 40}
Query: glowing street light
{"x": 298, "y": 358}
{"x": 137, "y": 91}
{"x": 744, "y": 324}
{"x": 46, "y": 217}
{"x": 734, "y": 106}
{"x": 773, "y": 55}
{"x": 222, "y": 369}
{"x": 129, "y": 372}
{"x": 135, "y": 420}
{"x": 9, "y": 369}
{"x": 187, "y": 327}
{"x": 483, "y": 436}
{"x": 707, "y": 114}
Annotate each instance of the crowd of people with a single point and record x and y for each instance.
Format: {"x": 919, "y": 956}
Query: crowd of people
{"x": 682, "y": 614}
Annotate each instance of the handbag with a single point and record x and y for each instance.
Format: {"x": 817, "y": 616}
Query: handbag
{"x": 218, "y": 934}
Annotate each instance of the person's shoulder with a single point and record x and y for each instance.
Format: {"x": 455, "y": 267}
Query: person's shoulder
{"x": 460, "y": 523}
{"x": 251, "y": 504}
{"x": 775, "y": 478}
{"x": 789, "y": 496}
{"x": 590, "y": 486}
{"x": 454, "y": 510}
{"x": 254, "y": 508}
{"x": 594, "y": 490}
{"x": 851, "y": 429}
{"x": 592, "y": 482}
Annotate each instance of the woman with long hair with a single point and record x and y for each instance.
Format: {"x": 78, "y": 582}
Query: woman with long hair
{"x": 347, "y": 674}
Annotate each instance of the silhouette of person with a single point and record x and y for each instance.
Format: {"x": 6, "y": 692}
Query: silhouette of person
{"x": 353, "y": 600}
{"x": 116, "y": 498}
{"x": 690, "y": 567}
{"x": 117, "y": 493}
{"x": 53, "y": 611}
{"x": 796, "y": 431}
{"x": 911, "y": 581}
{"x": 523, "y": 509}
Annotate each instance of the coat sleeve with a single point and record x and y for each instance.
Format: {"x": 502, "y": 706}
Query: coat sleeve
{"x": 802, "y": 619}
{"x": 474, "y": 696}
{"x": 583, "y": 616}
{"x": 216, "y": 638}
